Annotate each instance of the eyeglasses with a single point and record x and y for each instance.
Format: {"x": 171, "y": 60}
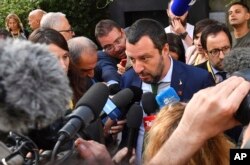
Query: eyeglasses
{"x": 69, "y": 30}
{"x": 216, "y": 52}
{"x": 111, "y": 47}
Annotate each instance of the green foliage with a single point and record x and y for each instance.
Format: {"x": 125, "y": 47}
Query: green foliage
{"x": 19, "y": 7}
{"x": 82, "y": 14}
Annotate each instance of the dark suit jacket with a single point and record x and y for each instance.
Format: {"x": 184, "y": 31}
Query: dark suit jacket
{"x": 106, "y": 68}
{"x": 186, "y": 80}
{"x": 204, "y": 66}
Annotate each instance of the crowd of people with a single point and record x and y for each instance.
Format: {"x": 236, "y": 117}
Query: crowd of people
{"x": 199, "y": 129}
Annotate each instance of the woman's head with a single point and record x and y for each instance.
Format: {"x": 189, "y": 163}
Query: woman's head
{"x": 56, "y": 44}
{"x": 214, "y": 150}
{"x": 13, "y": 23}
{"x": 198, "y": 28}
{"x": 176, "y": 48}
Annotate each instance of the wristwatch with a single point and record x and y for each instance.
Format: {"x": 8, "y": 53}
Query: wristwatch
{"x": 183, "y": 35}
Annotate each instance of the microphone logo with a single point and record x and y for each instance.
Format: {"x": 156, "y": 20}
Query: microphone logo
{"x": 192, "y": 3}
{"x": 167, "y": 96}
{"x": 148, "y": 122}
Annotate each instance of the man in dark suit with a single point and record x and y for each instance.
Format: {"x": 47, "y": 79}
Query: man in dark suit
{"x": 216, "y": 40}
{"x": 111, "y": 38}
{"x": 147, "y": 48}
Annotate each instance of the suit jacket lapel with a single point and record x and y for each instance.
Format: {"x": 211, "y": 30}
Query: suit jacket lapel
{"x": 178, "y": 78}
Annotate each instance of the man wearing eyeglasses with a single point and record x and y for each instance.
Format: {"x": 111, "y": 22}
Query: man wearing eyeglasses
{"x": 58, "y": 22}
{"x": 216, "y": 40}
{"x": 111, "y": 38}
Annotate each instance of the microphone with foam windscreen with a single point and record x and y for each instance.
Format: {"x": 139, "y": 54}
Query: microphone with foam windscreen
{"x": 180, "y": 7}
{"x": 137, "y": 93}
{"x": 134, "y": 120}
{"x": 237, "y": 63}
{"x": 167, "y": 96}
{"x": 34, "y": 91}
{"x": 113, "y": 105}
{"x": 33, "y": 87}
{"x": 116, "y": 108}
{"x": 87, "y": 110}
{"x": 114, "y": 88}
{"x": 150, "y": 107}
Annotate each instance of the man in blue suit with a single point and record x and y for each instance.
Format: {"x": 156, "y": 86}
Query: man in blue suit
{"x": 111, "y": 38}
{"x": 147, "y": 48}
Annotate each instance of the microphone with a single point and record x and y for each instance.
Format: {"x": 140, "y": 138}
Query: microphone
{"x": 180, "y": 7}
{"x": 149, "y": 103}
{"x": 137, "y": 93}
{"x": 34, "y": 89}
{"x": 150, "y": 107}
{"x": 134, "y": 119}
{"x": 237, "y": 59}
{"x": 87, "y": 110}
{"x": 114, "y": 88}
{"x": 116, "y": 107}
{"x": 166, "y": 97}
{"x": 237, "y": 63}
{"x": 113, "y": 105}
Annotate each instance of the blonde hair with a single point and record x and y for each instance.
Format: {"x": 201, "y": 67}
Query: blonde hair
{"x": 16, "y": 18}
{"x": 214, "y": 150}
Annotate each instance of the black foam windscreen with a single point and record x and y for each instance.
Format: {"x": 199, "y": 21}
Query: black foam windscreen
{"x": 123, "y": 98}
{"x": 34, "y": 89}
{"x": 95, "y": 98}
{"x": 114, "y": 88}
{"x": 237, "y": 59}
{"x": 137, "y": 93}
{"x": 149, "y": 103}
{"x": 134, "y": 116}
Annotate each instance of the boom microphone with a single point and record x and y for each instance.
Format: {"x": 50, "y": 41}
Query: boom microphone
{"x": 87, "y": 110}
{"x": 34, "y": 90}
{"x": 180, "y": 7}
{"x": 237, "y": 63}
{"x": 237, "y": 59}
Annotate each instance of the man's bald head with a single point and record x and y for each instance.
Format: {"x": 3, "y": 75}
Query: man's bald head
{"x": 35, "y": 17}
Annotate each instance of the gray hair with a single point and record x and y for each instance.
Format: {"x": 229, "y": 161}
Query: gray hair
{"x": 78, "y": 45}
{"x": 52, "y": 20}
{"x": 34, "y": 90}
